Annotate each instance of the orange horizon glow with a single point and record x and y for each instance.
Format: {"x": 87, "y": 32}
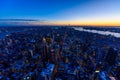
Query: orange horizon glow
{"x": 89, "y": 23}
{"x": 66, "y": 23}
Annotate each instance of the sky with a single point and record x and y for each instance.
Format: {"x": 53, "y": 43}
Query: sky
{"x": 61, "y": 12}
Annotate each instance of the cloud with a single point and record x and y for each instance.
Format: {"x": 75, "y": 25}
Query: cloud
{"x": 23, "y": 22}
{"x": 17, "y": 20}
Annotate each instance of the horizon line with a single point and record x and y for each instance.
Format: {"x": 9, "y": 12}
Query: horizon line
{"x": 37, "y": 22}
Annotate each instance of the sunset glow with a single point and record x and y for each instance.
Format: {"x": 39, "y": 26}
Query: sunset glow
{"x": 62, "y": 12}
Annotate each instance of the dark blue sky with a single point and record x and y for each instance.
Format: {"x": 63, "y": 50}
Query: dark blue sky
{"x": 35, "y": 8}
{"x": 61, "y": 10}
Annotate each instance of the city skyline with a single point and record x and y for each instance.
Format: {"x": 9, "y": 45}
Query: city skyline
{"x": 60, "y": 12}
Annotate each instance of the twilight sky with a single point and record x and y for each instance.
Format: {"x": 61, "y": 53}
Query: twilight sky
{"x": 74, "y": 12}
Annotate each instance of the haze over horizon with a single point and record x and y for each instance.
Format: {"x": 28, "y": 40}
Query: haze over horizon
{"x": 60, "y": 12}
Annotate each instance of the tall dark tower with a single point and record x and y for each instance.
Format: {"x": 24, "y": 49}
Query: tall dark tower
{"x": 44, "y": 48}
{"x": 111, "y": 56}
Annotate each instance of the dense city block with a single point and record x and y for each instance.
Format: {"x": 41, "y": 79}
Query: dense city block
{"x": 58, "y": 53}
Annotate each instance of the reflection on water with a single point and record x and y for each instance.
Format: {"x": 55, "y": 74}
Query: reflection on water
{"x": 115, "y": 34}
